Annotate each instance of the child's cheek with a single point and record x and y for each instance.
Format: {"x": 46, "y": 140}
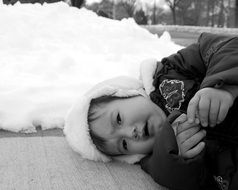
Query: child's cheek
{"x": 141, "y": 147}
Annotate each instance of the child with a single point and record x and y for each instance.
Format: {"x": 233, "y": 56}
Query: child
{"x": 200, "y": 80}
{"x": 77, "y": 129}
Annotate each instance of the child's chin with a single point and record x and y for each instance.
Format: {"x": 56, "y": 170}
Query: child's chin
{"x": 155, "y": 126}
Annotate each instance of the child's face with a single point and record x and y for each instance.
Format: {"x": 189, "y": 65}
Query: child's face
{"x": 129, "y": 125}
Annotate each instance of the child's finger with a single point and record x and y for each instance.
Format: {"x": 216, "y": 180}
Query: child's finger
{"x": 181, "y": 119}
{"x": 185, "y": 126}
{"x": 197, "y": 120}
{"x": 185, "y": 135}
{"x": 222, "y": 112}
{"x": 214, "y": 111}
{"x": 204, "y": 107}
{"x": 178, "y": 121}
{"x": 192, "y": 141}
{"x": 192, "y": 108}
{"x": 195, "y": 151}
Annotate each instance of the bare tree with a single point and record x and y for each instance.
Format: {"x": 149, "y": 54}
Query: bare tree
{"x": 77, "y": 3}
{"x": 129, "y": 6}
{"x": 182, "y": 11}
{"x": 221, "y": 14}
{"x": 227, "y": 14}
{"x": 236, "y": 14}
{"x": 154, "y": 12}
{"x": 173, "y": 5}
{"x": 199, "y": 6}
{"x": 211, "y": 11}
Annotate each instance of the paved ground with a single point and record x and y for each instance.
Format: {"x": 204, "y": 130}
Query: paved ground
{"x": 44, "y": 161}
{"x": 181, "y": 38}
{"x": 184, "y": 38}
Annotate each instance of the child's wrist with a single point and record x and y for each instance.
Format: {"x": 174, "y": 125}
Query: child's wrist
{"x": 232, "y": 89}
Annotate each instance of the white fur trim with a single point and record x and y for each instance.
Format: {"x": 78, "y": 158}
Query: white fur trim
{"x": 76, "y": 127}
{"x": 77, "y": 132}
{"x": 147, "y": 71}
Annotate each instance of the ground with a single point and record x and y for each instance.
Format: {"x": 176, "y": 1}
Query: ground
{"x": 44, "y": 161}
{"x": 186, "y": 35}
{"x": 184, "y": 38}
{"x": 181, "y": 37}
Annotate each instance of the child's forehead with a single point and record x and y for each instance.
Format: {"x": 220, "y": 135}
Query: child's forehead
{"x": 100, "y": 111}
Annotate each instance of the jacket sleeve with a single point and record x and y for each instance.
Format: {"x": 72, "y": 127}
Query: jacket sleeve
{"x": 169, "y": 169}
{"x": 213, "y": 60}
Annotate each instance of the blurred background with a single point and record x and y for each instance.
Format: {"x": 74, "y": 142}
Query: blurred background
{"x": 214, "y": 13}
{"x": 183, "y": 19}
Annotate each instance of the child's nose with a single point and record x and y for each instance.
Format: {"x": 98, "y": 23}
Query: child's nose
{"x": 134, "y": 132}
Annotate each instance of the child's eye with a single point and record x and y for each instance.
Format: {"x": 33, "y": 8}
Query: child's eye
{"x": 118, "y": 119}
{"x": 124, "y": 144}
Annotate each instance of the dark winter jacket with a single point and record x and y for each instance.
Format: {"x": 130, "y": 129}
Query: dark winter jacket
{"x": 212, "y": 62}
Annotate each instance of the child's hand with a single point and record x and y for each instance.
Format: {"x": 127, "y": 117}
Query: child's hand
{"x": 189, "y": 137}
{"x": 210, "y": 105}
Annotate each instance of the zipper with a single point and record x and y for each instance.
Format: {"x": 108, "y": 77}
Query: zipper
{"x": 222, "y": 183}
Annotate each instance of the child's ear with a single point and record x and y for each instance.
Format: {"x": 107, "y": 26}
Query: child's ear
{"x": 147, "y": 71}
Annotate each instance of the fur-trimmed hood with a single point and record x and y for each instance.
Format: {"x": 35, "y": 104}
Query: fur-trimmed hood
{"x": 76, "y": 127}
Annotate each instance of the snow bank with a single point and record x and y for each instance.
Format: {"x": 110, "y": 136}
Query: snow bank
{"x": 51, "y": 54}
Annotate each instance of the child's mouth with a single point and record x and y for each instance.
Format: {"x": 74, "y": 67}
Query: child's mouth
{"x": 146, "y": 131}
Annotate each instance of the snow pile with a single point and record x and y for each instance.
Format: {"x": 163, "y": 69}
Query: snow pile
{"x": 51, "y": 54}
